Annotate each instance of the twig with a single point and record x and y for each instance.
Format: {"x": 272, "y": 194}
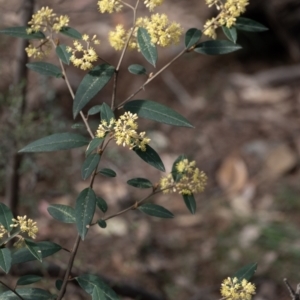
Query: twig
{"x": 294, "y": 295}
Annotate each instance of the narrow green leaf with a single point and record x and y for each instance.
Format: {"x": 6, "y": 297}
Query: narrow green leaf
{"x": 84, "y": 211}
{"x": 21, "y": 32}
{"x": 230, "y": 33}
{"x": 71, "y": 32}
{"x": 62, "y": 213}
{"x": 91, "y": 84}
{"x": 45, "y": 69}
{"x": 27, "y": 294}
{"x": 24, "y": 255}
{"x": 137, "y": 69}
{"x": 190, "y": 203}
{"x": 34, "y": 249}
{"x": 89, "y": 165}
{"x": 108, "y": 172}
{"x": 148, "y": 49}
{"x": 102, "y": 223}
{"x": 28, "y": 279}
{"x": 246, "y": 272}
{"x": 175, "y": 174}
{"x": 58, "y": 284}
{"x": 63, "y": 54}
{"x": 77, "y": 126}
{"x": 217, "y": 47}
{"x": 141, "y": 183}
{"x": 245, "y": 24}
{"x": 6, "y": 217}
{"x": 90, "y": 283}
{"x": 192, "y": 36}
{"x": 101, "y": 203}
{"x": 155, "y": 211}
{"x": 5, "y": 259}
{"x": 106, "y": 113}
{"x": 157, "y": 112}
{"x": 94, "y": 110}
{"x": 55, "y": 142}
{"x": 94, "y": 144}
{"x": 150, "y": 157}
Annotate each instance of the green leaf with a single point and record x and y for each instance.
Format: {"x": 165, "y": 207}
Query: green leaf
{"x": 62, "y": 213}
{"x": 190, "y": 203}
{"x": 84, "y": 211}
{"x": 89, "y": 165}
{"x": 175, "y": 174}
{"x": 192, "y": 36}
{"x": 24, "y": 255}
{"x": 77, "y": 125}
{"x": 71, "y": 32}
{"x": 34, "y": 249}
{"x": 102, "y": 223}
{"x": 150, "y": 157}
{"x": 217, "y": 47}
{"x": 148, "y": 49}
{"x": 5, "y": 259}
{"x": 245, "y": 24}
{"x": 28, "y": 279}
{"x": 246, "y": 272}
{"x": 90, "y": 283}
{"x": 94, "y": 110}
{"x": 101, "y": 203}
{"x": 21, "y": 32}
{"x": 27, "y": 294}
{"x": 94, "y": 144}
{"x": 137, "y": 69}
{"x": 108, "y": 172}
{"x": 6, "y": 217}
{"x": 63, "y": 54}
{"x": 140, "y": 183}
{"x": 157, "y": 112}
{"x": 90, "y": 85}
{"x": 55, "y": 142}
{"x": 45, "y": 69}
{"x": 230, "y": 33}
{"x": 58, "y": 284}
{"x": 106, "y": 113}
{"x": 155, "y": 211}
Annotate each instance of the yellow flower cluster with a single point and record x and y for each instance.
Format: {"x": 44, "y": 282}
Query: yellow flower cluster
{"x": 26, "y": 225}
{"x": 162, "y": 32}
{"x": 233, "y": 289}
{"x": 3, "y": 231}
{"x": 124, "y": 131}
{"x": 191, "y": 179}
{"x": 109, "y": 6}
{"x": 229, "y": 11}
{"x": 151, "y": 4}
{"x": 44, "y": 20}
{"x": 83, "y": 57}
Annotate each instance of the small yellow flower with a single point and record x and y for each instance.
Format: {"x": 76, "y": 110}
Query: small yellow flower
{"x": 233, "y": 289}
{"x": 117, "y": 38}
{"x": 109, "y": 6}
{"x": 104, "y": 128}
{"x": 3, "y": 231}
{"x": 41, "y": 50}
{"x": 26, "y": 225}
{"x": 191, "y": 180}
{"x": 83, "y": 57}
{"x": 151, "y": 4}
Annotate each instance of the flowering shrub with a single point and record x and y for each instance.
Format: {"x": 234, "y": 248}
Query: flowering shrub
{"x": 145, "y": 35}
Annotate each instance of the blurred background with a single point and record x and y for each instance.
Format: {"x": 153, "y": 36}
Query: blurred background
{"x": 245, "y": 107}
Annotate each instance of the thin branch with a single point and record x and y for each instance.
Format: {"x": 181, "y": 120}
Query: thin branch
{"x": 13, "y": 291}
{"x": 294, "y": 295}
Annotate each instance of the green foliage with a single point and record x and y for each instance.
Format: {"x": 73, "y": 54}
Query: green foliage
{"x": 20, "y": 32}
{"x": 157, "y": 112}
{"x": 5, "y": 259}
{"x": 63, "y": 54}
{"x": 137, "y": 69}
{"x": 150, "y": 157}
{"x": 45, "y": 69}
{"x": 230, "y": 33}
{"x": 245, "y": 24}
{"x": 101, "y": 203}
{"x": 192, "y": 36}
{"x": 217, "y": 47}
{"x": 71, "y": 32}
{"x": 94, "y": 144}
{"x": 155, "y": 211}
{"x": 62, "y": 213}
{"x": 91, "y": 85}
{"x": 89, "y": 165}
{"x": 246, "y": 272}
{"x": 28, "y": 279}
{"x": 190, "y": 203}
{"x": 147, "y": 48}
{"x": 106, "y": 113}
{"x": 140, "y": 183}
{"x": 94, "y": 110}
{"x": 108, "y": 172}
{"x": 27, "y": 294}
{"x": 34, "y": 249}
{"x": 6, "y": 217}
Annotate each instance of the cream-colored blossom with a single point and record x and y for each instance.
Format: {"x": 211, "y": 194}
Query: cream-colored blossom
{"x": 151, "y": 4}
{"x": 117, "y": 38}
{"x": 191, "y": 179}
{"x": 3, "y": 231}
{"x": 83, "y": 57}
{"x": 109, "y": 6}
{"x": 104, "y": 128}
{"x": 233, "y": 289}
{"x": 26, "y": 225}
{"x": 39, "y": 50}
